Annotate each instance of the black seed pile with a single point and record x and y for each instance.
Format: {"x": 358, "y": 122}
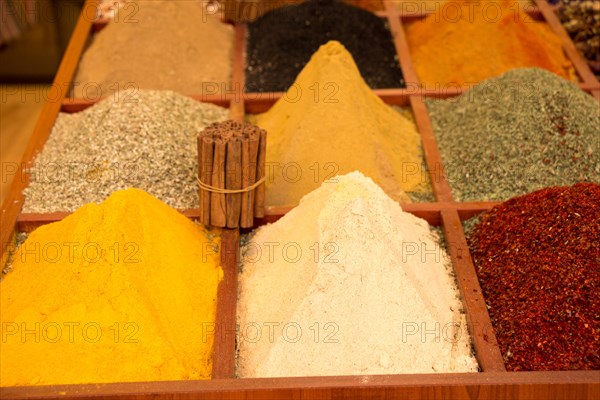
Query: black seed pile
{"x": 282, "y": 41}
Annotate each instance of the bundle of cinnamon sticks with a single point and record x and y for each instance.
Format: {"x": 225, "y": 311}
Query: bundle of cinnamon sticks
{"x": 231, "y": 170}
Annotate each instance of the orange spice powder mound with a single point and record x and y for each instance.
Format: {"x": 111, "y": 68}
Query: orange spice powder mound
{"x": 469, "y": 41}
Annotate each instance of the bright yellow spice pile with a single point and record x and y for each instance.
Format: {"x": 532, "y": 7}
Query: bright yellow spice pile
{"x": 331, "y": 123}
{"x": 117, "y": 292}
{"x": 466, "y": 42}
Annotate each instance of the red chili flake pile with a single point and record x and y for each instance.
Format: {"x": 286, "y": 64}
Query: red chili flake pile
{"x": 538, "y": 261}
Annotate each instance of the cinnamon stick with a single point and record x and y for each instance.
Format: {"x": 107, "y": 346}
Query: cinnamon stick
{"x": 218, "y": 205}
{"x": 205, "y": 150}
{"x": 245, "y": 183}
{"x": 226, "y": 133}
{"x": 259, "y": 196}
{"x": 233, "y": 180}
{"x": 252, "y": 157}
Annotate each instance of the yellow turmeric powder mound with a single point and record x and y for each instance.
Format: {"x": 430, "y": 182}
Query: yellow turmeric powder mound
{"x": 466, "y": 42}
{"x": 117, "y": 292}
{"x": 330, "y": 123}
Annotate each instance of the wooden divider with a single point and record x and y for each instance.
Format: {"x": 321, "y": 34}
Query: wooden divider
{"x": 478, "y": 319}
{"x": 441, "y": 188}
{"x": 73, "y": 105}
{"x": 11, "y": 207}
{"x": 225, "y": 326}
{"x": 27, "y": 222}
{"x": 567, "y": 385}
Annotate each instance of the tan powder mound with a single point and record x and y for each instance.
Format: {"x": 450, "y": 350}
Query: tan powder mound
{"x": 465, "y": 42}
{"x": 154, "y": 44}
{"x": 351, "y": 285}
{"x": 330, "y": 122}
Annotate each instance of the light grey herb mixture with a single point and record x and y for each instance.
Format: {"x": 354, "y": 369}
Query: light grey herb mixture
{"x": 517, "y": 133}
{"x": 145, "y": 140}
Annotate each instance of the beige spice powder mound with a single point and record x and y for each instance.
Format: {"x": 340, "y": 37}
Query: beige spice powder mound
{"x": 154, "y": 44}
{"x": 345, "y": 284}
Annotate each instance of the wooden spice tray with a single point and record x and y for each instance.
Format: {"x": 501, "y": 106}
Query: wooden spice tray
{"x": 493, "y": 382}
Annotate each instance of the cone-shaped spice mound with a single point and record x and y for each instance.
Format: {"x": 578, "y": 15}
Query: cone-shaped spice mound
{"x": 342, "y": 128}
{"x": 538, "y": 260}
{"x": 157, "y": 44}
{"x": 118, "y": 292}
{"x": 466, "y": 42}
{"x": 353, "y": 285}
{"x": 523, "y": 131}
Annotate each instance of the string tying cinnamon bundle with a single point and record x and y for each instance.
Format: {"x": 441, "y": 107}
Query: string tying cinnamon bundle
{"x": 231, "y": 174}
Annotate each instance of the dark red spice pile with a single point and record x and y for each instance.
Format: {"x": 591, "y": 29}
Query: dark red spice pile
{"x": 538, "y": 261}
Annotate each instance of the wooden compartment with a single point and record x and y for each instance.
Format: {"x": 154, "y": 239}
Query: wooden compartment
{"x": 492, "y": 382}
{"x": 442, "y": 215}
{"x": 540, "y": 11}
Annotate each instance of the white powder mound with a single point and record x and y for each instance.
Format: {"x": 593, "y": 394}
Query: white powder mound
{"x": 347, "y": 283}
